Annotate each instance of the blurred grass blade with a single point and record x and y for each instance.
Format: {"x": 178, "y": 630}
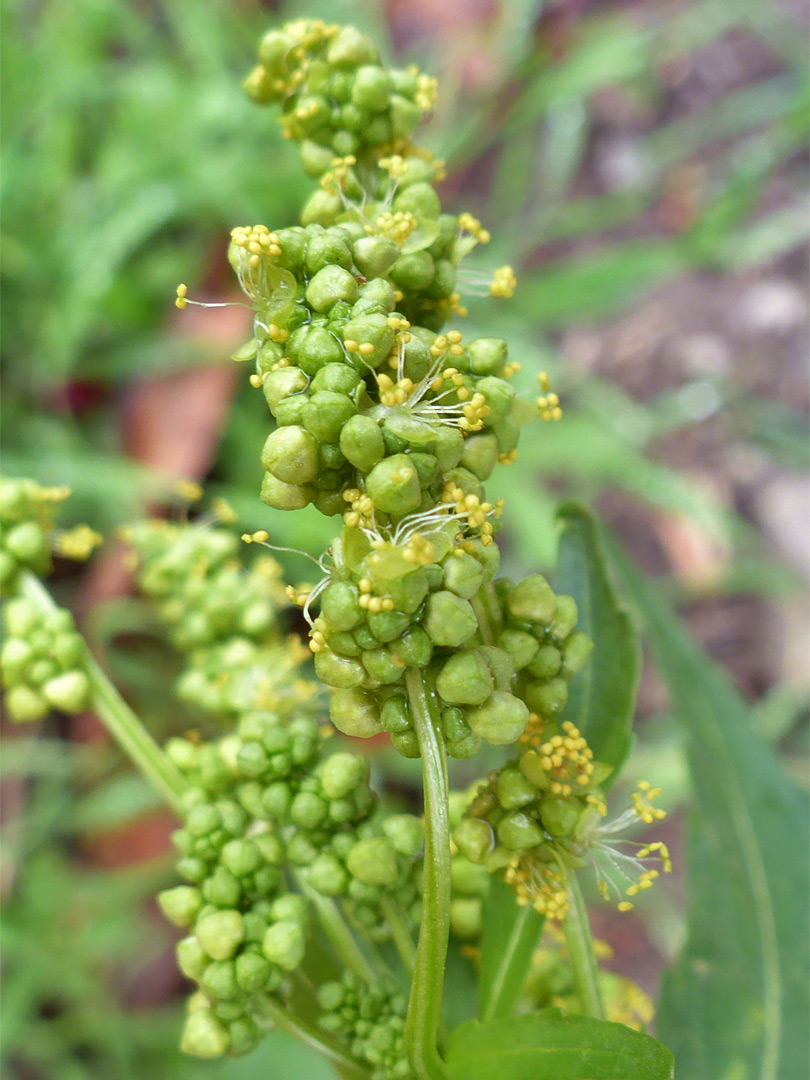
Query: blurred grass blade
{"x": 736, "y": 1002}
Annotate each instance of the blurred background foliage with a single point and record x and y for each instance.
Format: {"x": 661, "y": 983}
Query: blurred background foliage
{"x": 643, "y": 167}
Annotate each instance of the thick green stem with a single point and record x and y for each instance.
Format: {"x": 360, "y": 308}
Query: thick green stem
{"x": 400, "y": 932}
{"x": 310, "y": 1035}
{"x": 424, "y": 1008}
{"x": 487, "y": 612}
{"x": 579, "y": 939}
{"x": 340, "y": 936}
{"x": 118, "y": 718}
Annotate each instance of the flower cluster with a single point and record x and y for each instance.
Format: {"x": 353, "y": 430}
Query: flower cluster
{"x": 221, "y": 614}
{"x": 541, "y": 814}
{"x": 42, "y": 661}
{"x": 370, "y": 1020}
{"x": 28, "y": 534}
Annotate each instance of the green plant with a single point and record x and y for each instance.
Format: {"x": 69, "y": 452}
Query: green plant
{"x": 393, "y": 425}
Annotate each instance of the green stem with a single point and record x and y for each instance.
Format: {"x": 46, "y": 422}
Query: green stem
{"x": 579, "y": 939}
{"x": 396, "y": 919}
{"x": 424, "y": 1007}
{"x": 340, "y": 936}
{"x": 118, "y": 718}
{"x": 313, "y": 1037}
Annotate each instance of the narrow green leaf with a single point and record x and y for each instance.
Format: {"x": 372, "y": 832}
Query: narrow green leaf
{"x": 736, "y": 1002}
{"x": 602, "y": 697}
{"x": 547, "y": 1045}
{"x": 511, "y": 933}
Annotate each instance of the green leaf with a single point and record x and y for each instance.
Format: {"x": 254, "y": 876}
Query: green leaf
{"x": 736, "y": 1002}
{"x": 602, "y": 697}
{"x": 511, "y": 933}
{"x": 547, "y": 1045}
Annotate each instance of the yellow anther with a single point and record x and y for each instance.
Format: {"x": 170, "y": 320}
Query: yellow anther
{"x": 181, "y": 301}
{"x": 503, "y": 282}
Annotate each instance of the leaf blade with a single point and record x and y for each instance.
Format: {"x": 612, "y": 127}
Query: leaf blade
{"x": 511, "y": 933}
{"x": 546, "y": 1045}
{"x": 736, "y": 1001}
{"x": 602, "y": 697}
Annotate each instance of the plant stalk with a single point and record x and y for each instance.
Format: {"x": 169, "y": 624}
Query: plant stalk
{"x": 424, "y": 1007}
{"x": 118, "y": 718}
{"x": 579, "y": 939}
{"x": 310, "y": 1035}
{"x": 395, "y": 917}
{"x": 340, "y": 936}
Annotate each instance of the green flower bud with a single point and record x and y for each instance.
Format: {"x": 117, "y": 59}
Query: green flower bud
{"x": 191, "y": 959}
{"x": 308, "y": 810}
{"x": 252, "y": 972}
{"x": 500, "y": 395}
{"x": 488, "y": 356}
{"x": 339, "y": 671}
{"x": 181, "y": 904}
{"x": 328, "y": 875}
{"x": 565, "y": 618}
{"x": 339, "y": 377}
{"x": 27, "y": 543}
{"x": 371, "y": 88}
{"x": 321, "y": 208}
{"x": 220, "y": 933}
{"x": 518, "y": 832}
{"x": 15, "y": 657}
{"x": 342, "y": 773}
{"x": 219, "y": 981}
{"x": 374, "y": 255}
{"x": 481, "y": 455}
{"x": 326, "y": 413}
{"x": 355, "y": 713}
{"x": 448, "y": 447}
{"x": 420, "y": 199}
{"x": 413, "y": 272}
{"x": 383, "y": 666}
{"x": 465, "y": 917}
{"x": 576, "y": 650}
{"x": 463, "y": 574}
{"x": 373, "y": 861}
{"x": 203, "y": 819}
{"x": 474, "y": 838}
{"x": 291, "y": 907}
{"x": 406, "y": 833}
{"x": 350, "y": 49}
{"x": 514, "y": 790}
{"x": 406, "y": 743}
{"x": 533, "y": 600}
{"x": 414, "y": 648}
{"x": 274, "y": 48}
{"x": 560, "y": 816}
{"x": 252, "y": 760}
{"x": 532, "y": 768}
{"x": 291, "y": 455}
{"x": 325, "y": 249}
{"x": 500, "y": 720}
{"x": 546, "y": 663}
{"x": 393, "y": 486}
{"x": 204, "y": 1036}
{"x": 370, "y": 330}
{"x": 318, "y": 347}
{"x": 284, "y": 944}
{"x": 500, "y": 664}
{"x": 449, "y": 620}
{"x": 315, "y": 159}
{"x": 547, "y": 698}
{"x": 241, "y": 857}
{"x": 361, "y": 442}
{"x": 468, "y": 878}
{"x": 465, "y": 679}
{"x": 20, "y": 617}
{"x": 388, "y": 625}
{"x": 395, "y": 716}
{"x": 244, "y": 1034}
{"x": 25, "y": 705}
{"x": 222, "y": 888}
{"x": 281, "y": 383}
{"x": 284, "y": 496}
